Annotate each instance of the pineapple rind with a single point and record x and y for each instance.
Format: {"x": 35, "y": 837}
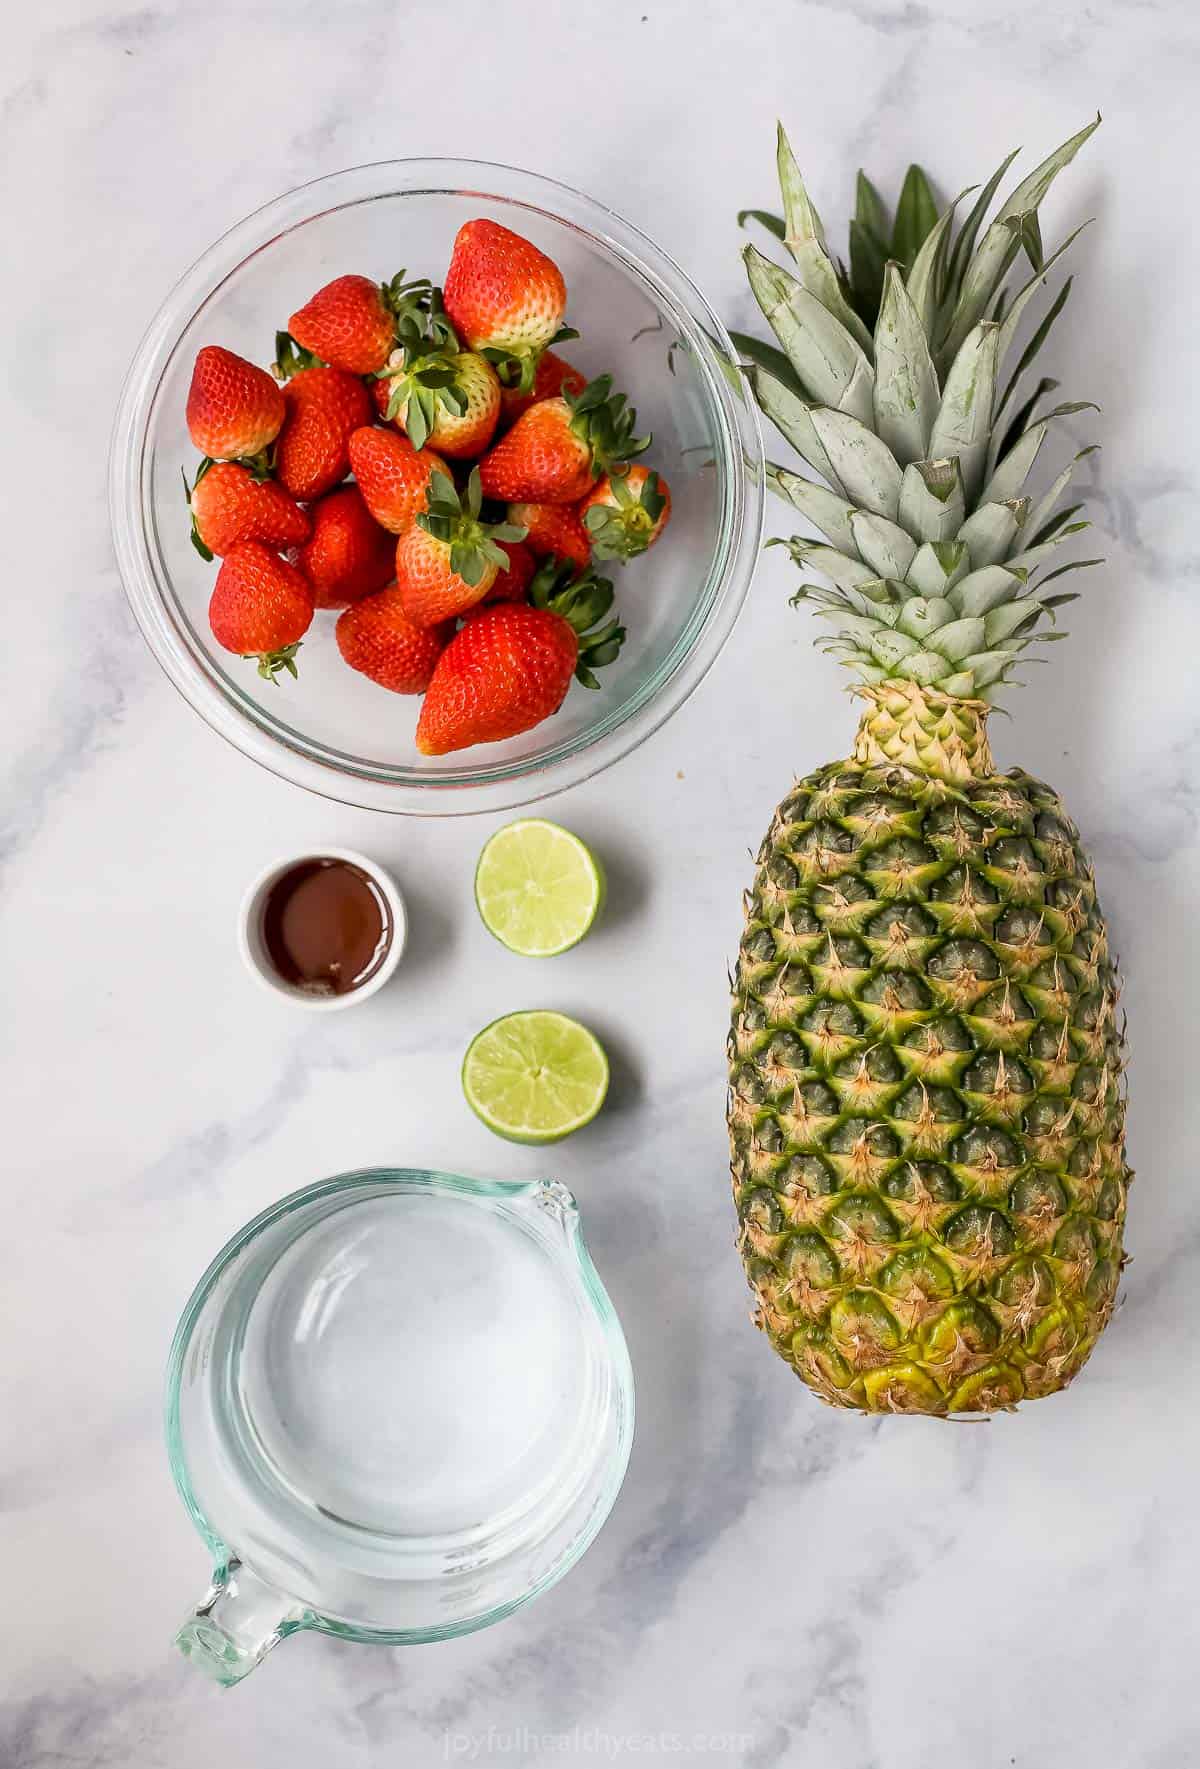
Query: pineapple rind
{"x": 926, "y": 1097}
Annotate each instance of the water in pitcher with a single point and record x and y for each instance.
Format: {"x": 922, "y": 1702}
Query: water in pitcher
{"x": 408, "y": 1367}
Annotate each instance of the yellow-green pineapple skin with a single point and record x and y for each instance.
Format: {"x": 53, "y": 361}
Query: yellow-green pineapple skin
{"x": 926, "y": 1099}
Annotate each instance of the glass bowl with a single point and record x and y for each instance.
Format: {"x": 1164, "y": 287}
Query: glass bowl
{"x": 399, "y": 1406}
{"x": 640, "y": 318}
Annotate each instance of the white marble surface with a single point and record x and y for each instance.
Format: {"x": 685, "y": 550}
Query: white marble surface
{"x": 778, "y": 1584}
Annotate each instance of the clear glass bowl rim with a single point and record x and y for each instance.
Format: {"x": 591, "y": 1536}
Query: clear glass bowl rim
{"x": 478, "y": 786}
{"x": 433, "y": 1180}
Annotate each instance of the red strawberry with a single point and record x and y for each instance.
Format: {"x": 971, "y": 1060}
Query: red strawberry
{"x": 230, "y": 504}
{"x": 324, "y": 407}
{"x": 233, "y": 408}
{"x": 377, "y": 638}
{"x": 510, "y": 666}
{"x": 261, "y": 607}
{"x": 626, "y": 513}
{"x": 449, "y": 560}
{"x": 553, "y": 528}
{"x": 347, "y": 555}
{"x": 513, "y": 580}
{"x": 392, "y": 475}
{"x": 553, "y": 376}
{"x": 348, "y": 324}
{"x": 505, "y": 298}
{"x": 559, "y": 447}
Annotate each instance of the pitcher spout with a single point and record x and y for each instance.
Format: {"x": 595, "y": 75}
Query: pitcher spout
{"x": 236, "y": 1623}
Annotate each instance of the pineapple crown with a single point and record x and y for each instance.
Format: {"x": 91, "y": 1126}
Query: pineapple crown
{"x": 453, "y": 518}
{"x": 887, "y": 380}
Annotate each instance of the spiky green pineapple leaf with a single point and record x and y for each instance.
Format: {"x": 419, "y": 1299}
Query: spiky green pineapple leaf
{"x": 1033, "y": 556}
{"x": 963, "y": 423}
{"x": 1011, "y": 619}
{"x": 1002, "y": 241}
{"x": 980, "y": 591}
{"x": 1016, "y": 311}
{"x": 774, "y": 224}
{"x": 1042, "y": 521}
{"x": 964, "y": 245}
{"x": 767, "y": 356}
{"x": 868, "y": 262}
{"x": 969, "y": 232}
{"x": 960, "y": 637}
{"x": 824, "y": 509}
{"x": 997, "y": 451}
{"x": 792, "y": 417}
{"x": 1023, "y": 416}
{"x": 916, "y": 217}
{"x": 937, "y": 566}
{"x": 1031, "y": 239}
{"x": 805, "y": 240}
{"x": 906, "y": 394}
{"x": 1012, "y": 470}
{"x": 870, "y": 210}
{"x": 1071, "y": 565}
{"x": 882, "y": 544}
{"x": 926, "y": 279}
{"x": 1056, "y": 522}
{"x": 1030, "y": 352}
{"x": 870, "y": 236}
{"x": 831, "y": 364}
{"x": 846, "y": 572}
{"x": 991, "y": 529}
{"x": 932, "y": 506}
{"x": 922, "y": 615}
{"x": 864, "y": 464}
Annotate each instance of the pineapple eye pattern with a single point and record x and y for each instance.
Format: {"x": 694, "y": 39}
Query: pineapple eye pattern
{"x": 927, "y": 1079}
{"x": 900, "y": 922}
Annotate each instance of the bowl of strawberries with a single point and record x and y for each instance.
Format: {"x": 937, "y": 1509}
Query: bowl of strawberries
{"x": 433, "y": 487}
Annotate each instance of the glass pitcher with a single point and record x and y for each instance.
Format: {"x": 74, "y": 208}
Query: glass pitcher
{"x": 399, "y": 1405}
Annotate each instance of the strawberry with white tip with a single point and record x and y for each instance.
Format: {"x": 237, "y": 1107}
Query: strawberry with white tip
{"x": 434, "y": 390}
{"x": 626, "y": 513}
{"x": 505, "y": 299}
{"x": 234, "y": 409}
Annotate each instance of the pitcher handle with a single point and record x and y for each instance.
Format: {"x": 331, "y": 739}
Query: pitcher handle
{"x": 236, "y": 1623}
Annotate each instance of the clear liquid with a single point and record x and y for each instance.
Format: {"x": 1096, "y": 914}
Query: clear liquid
{"x": 410, "y": 1366}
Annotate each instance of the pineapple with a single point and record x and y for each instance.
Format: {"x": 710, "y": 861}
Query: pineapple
{"x": 926, "y": 1098}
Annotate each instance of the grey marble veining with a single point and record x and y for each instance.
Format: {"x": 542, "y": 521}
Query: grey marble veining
{"x": 778, "y": 1584}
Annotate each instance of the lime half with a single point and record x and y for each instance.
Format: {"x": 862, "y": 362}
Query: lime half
{"x": 538, "y": 888}
{"x": 536, "y": 1076}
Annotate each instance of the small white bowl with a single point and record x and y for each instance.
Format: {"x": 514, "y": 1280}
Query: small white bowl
{"x": 253, "y": 948}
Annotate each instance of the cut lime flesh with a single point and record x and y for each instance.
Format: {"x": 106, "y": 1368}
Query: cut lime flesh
{"x": 538, "y": 888}
{"x": 535, "y": 1077}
